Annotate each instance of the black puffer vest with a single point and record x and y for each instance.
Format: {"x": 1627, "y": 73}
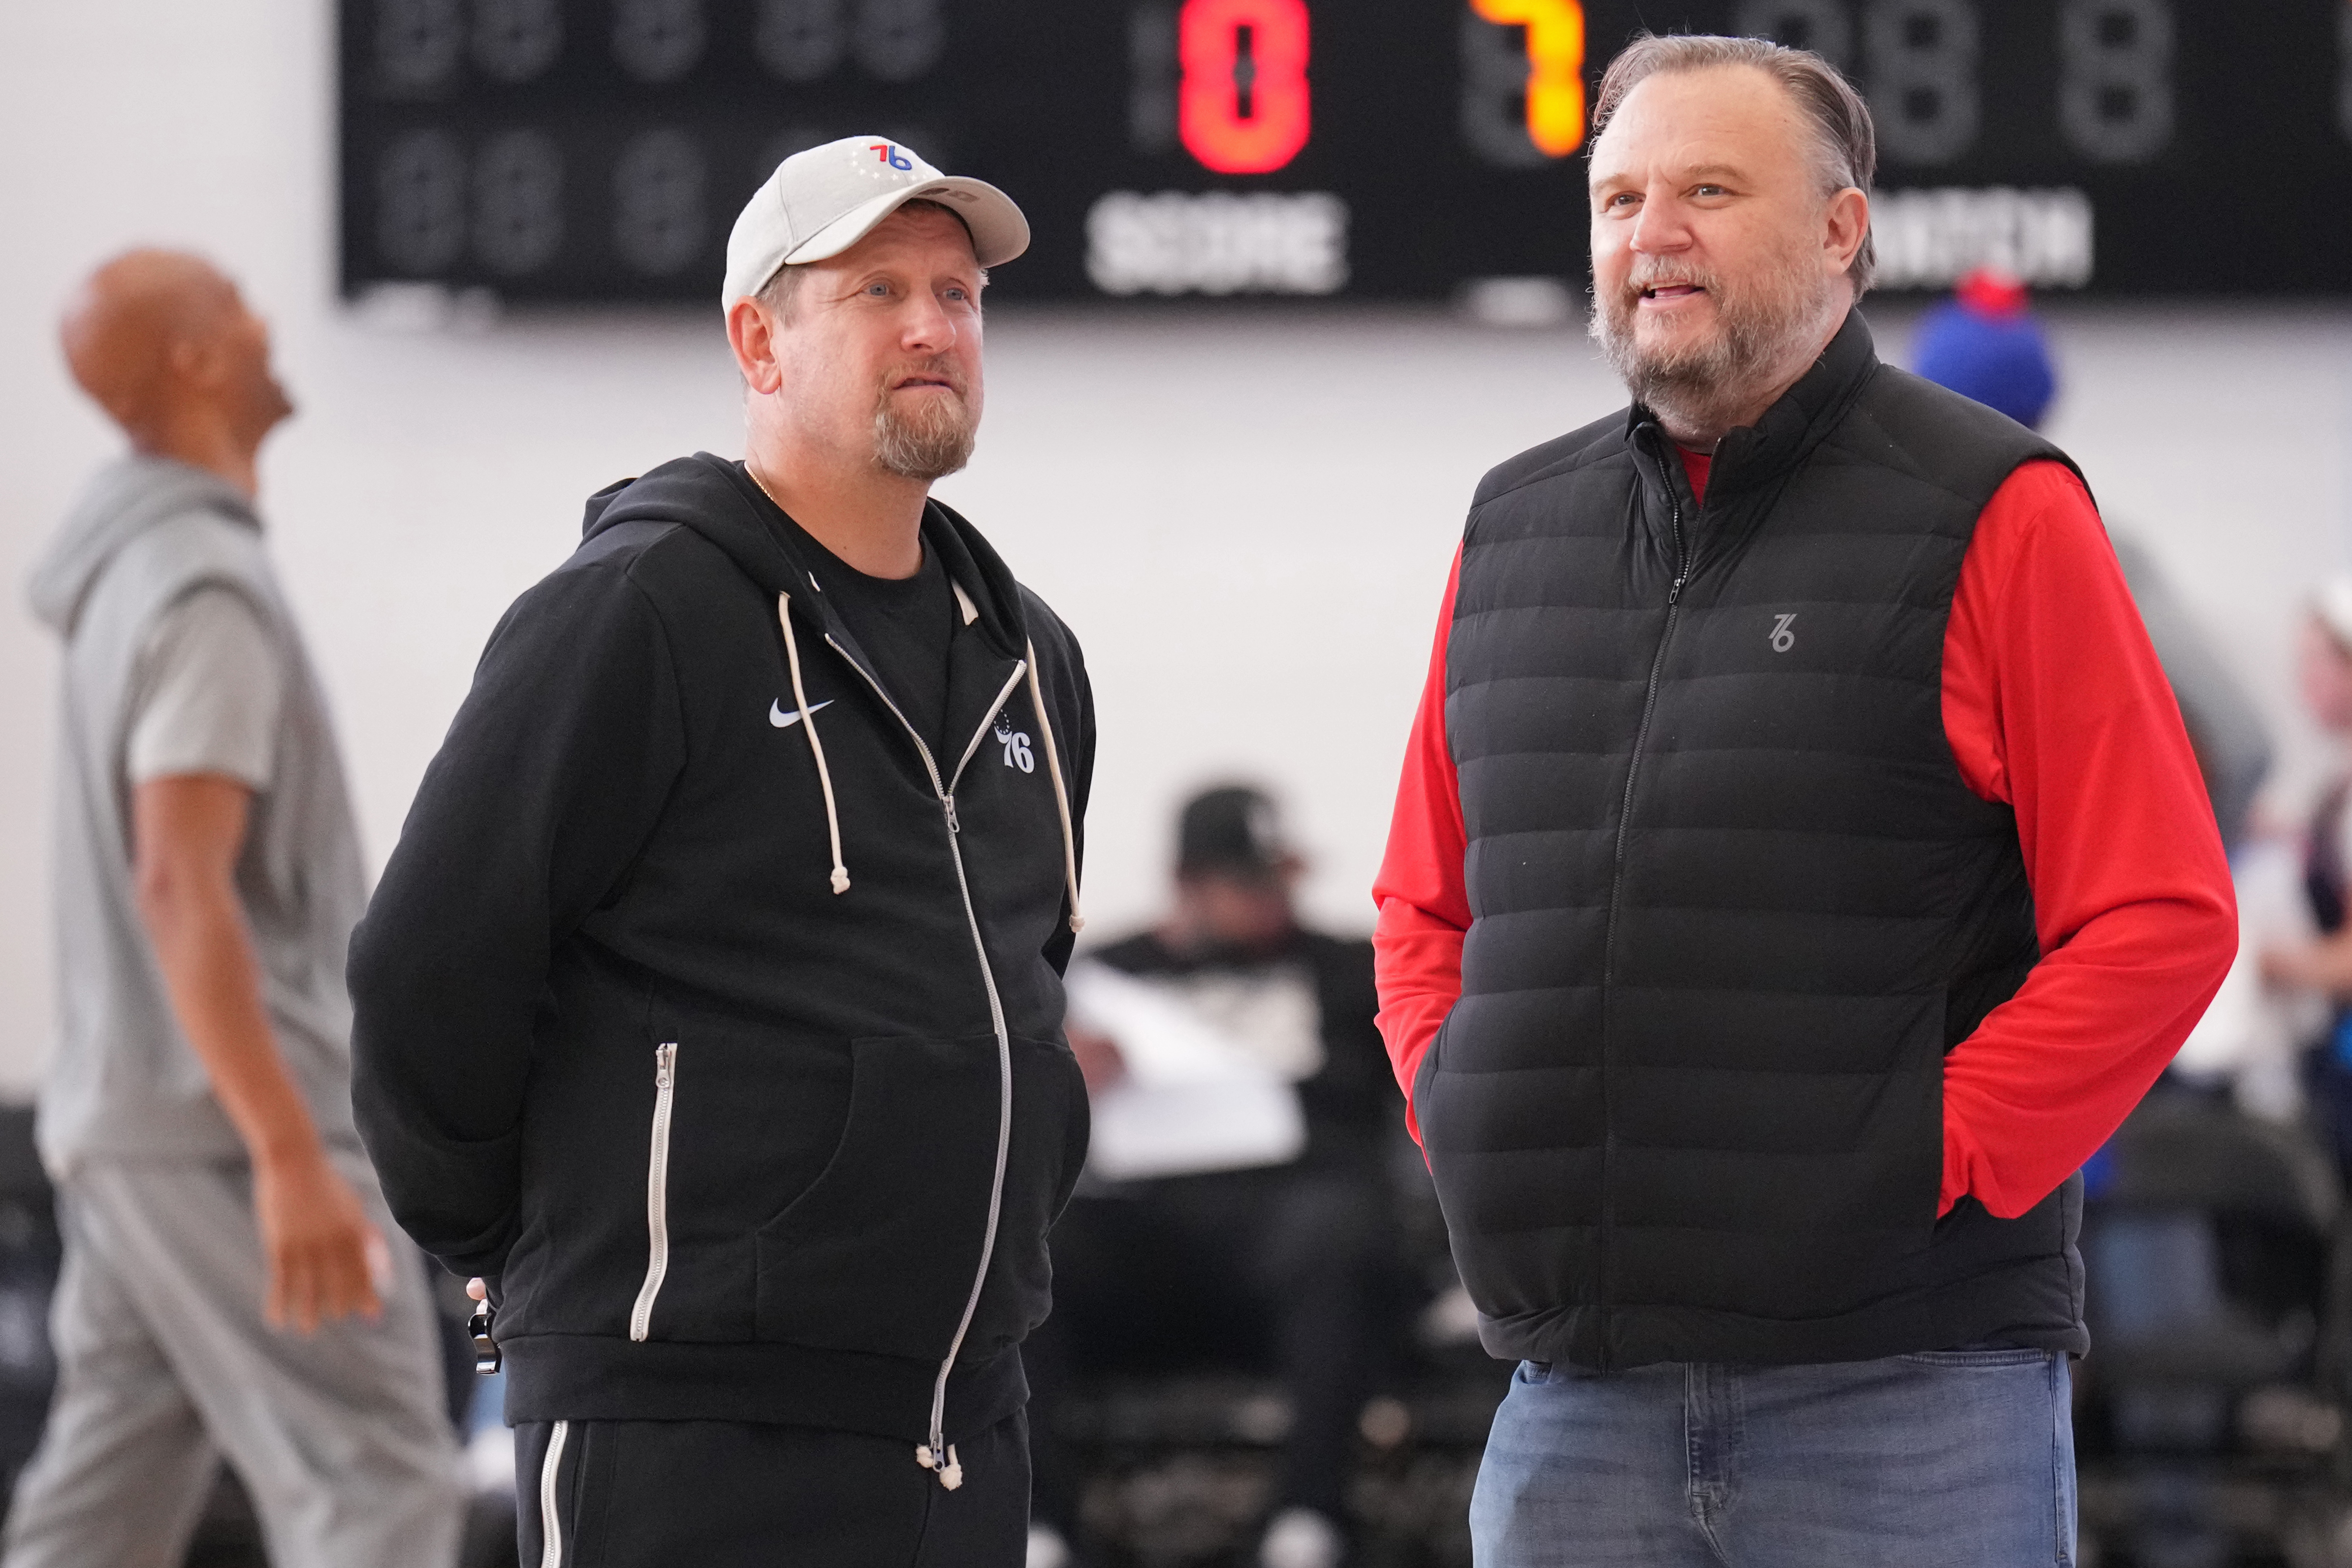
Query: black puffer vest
{"x": 1733, "y": 901}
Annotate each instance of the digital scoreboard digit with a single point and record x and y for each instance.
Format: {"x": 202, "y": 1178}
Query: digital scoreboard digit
{"x": 597, "y": 150}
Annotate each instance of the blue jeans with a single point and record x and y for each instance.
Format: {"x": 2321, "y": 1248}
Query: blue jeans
{"x": 1944, "y": 1460}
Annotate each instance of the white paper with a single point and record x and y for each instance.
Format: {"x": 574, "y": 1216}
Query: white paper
{"x": 1190, "y": 1101}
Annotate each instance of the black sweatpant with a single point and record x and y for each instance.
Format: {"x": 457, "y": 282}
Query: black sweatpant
{"x": 724, "y": 1494}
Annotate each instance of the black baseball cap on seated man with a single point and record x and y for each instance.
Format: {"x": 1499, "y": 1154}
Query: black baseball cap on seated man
{"x": 1233, "y": 831}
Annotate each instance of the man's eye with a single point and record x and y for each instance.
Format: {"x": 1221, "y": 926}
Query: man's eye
{"x": 1711, "y": 190}
{"x": 877, "y": 290}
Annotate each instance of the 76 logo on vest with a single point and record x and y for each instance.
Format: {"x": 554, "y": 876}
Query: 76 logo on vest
{"x": 1783, "y": 640}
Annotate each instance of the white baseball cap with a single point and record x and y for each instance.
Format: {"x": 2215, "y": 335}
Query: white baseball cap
{"x": 821, "y": 202}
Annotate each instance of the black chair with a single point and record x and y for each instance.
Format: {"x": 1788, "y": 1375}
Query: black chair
{"x": 2211, "y": 1408}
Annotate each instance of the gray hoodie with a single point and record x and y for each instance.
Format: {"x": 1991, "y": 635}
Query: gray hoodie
{"x": 123, "y": 1083}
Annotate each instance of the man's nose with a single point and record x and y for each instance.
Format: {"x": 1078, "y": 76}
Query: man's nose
{"x": 928, "y": 326}
{"x": 1659, "y": 228}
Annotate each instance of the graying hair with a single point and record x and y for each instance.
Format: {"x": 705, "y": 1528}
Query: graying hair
{"x": 1845, "y": 144}
{"x": 777, "y": 292}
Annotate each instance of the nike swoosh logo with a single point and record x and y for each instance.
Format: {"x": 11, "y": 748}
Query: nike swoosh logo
{"x": 785, "y": 721}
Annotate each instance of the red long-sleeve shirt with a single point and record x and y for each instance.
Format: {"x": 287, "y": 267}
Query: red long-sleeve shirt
{"x": 2054, "y": 704}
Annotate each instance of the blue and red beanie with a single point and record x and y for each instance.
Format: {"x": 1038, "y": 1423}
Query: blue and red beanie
{"x": 1982, "y": 344}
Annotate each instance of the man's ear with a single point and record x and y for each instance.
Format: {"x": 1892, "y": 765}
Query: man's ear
{"x": 1848, "y": 226}
{"x": 752, "y": 333}
{"x": 192, "y": 359}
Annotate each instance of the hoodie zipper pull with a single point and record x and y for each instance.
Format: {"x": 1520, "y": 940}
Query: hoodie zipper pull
{"x": 949, "y": 802}
{"x": 941, "y": 1462}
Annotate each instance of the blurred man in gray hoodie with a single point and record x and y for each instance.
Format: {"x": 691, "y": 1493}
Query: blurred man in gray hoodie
{"x": 233, "y": 1285}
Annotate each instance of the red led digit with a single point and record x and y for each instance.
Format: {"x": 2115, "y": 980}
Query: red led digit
{"x": 1209, "y": 107}
{"x": 1555, "y": 68}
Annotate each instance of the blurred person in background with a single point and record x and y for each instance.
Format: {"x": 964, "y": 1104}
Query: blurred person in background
{"x": 2320, "y": 963}
{"x": 710, "y": 1007}
{"x": 1799, "y": 868}
{"x": 1984, "y": 343}
{"x": 229, "y": 1286}
{"x": 1298, "y": 1263}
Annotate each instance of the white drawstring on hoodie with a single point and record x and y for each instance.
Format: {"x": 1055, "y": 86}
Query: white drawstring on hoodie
{"x": 816, "y": 747}
{"x": 1061, "y": 794}
{"x": 825, "y": 774}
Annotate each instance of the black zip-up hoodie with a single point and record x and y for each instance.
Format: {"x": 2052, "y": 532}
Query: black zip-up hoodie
{"x": 732, "y": 1144}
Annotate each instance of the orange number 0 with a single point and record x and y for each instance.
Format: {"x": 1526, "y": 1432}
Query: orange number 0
{"x": 1209, "y": 109}
{"x": 1555, "y": 68}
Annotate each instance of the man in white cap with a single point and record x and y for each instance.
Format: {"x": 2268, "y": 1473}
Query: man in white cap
{"x": 710, "y": 1007}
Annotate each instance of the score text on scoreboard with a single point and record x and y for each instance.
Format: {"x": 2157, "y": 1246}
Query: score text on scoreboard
{"x": 588, "y": 150}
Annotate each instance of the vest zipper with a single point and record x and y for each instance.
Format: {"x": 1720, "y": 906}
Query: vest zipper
{"x": 936, "y": 1456}
{"x": 641, "y": 1316}
{"x": 1616, "y": 889}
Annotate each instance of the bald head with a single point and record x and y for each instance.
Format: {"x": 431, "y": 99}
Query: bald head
{"x": 163, "y": 343}
{"x": 123, "y": 325}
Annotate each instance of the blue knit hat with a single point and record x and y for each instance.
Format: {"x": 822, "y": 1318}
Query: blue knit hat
{"x": 1982, "y": 344}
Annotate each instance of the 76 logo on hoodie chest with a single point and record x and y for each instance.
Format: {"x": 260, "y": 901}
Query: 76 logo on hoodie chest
{"x": 1017, "y": 753}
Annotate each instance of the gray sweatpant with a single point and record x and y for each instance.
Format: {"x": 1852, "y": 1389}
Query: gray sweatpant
{"x": 165, "y": 1365}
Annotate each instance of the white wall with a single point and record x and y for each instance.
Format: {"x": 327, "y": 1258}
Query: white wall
{"x": 1245, "y": 517}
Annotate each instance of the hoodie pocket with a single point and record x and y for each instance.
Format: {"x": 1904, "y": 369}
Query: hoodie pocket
{"x": 878, "y": 1255}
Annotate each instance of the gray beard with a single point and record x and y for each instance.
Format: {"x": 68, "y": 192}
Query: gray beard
{"x": 1708, "y": 386}
{"x": 922, "y": 448}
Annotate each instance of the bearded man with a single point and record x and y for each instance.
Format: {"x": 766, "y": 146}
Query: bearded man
{"x": 710, "y": 1007}
{"x": 1799, "y": 869}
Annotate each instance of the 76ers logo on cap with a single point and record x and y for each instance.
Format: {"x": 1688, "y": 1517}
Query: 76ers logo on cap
{"x": 891, "y": 155}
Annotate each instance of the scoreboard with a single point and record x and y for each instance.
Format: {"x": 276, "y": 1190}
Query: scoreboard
{"x": 598, "y": 150}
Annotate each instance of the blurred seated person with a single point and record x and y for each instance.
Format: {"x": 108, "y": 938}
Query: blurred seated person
{"x": 1291, "y": 1267}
